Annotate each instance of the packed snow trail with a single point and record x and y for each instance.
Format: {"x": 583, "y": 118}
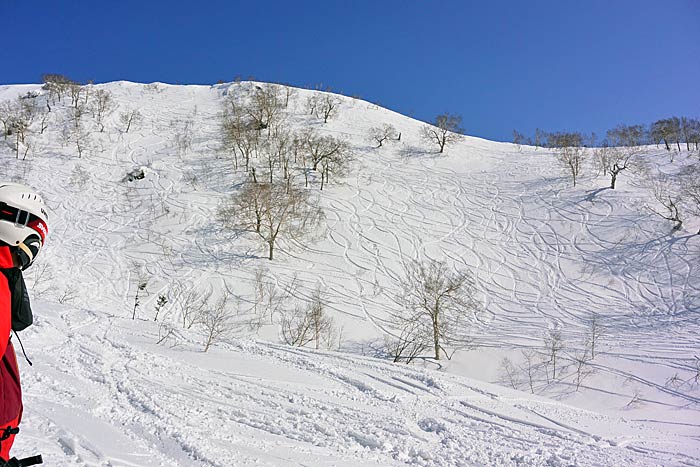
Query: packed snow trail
{"x": 102, "y": 393}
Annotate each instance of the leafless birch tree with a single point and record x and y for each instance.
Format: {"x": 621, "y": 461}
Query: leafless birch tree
{"x": 442, "y": 299}
{"x": 379, "y": 134}
{"x": 569, "y": 151}
{"x": 217, "y": 321}
{"x": 102, "y": 105}
{"x": 329, "y": 106}
{"x": 272, "y": 212}
{"x": 670, "y": 199}
{"x": 444, "y": 131}
{"x": 129, "y": 118}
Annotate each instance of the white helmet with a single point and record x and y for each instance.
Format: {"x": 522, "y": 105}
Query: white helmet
{"x": 23, "y": 214}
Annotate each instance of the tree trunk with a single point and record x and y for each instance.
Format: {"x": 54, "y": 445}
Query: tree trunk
{"x": 613, "y": 179}
{"x": 271, "y": 243}
{"x": 436, "y": 332}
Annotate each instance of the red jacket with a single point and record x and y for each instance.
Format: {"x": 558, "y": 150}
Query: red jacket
{"x": 10, "y": 391}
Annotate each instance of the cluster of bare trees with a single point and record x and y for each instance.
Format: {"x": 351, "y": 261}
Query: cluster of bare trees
{"x": 65, "y": 102}
{"x": 17, "y": 118}
{"x": 255, "y": 135}
{"x": 669, "y": 131}
{"x": 441, "y": 133}
{"x": 554, "y": 361}
{"x": 676, "y": 195}
{"x": 323, "y": 106}
{"x": 217, "y": 314}
{"x": 675, "y": 130}
{"x": 436, "y": 305}
{"x": 310, "y": 323}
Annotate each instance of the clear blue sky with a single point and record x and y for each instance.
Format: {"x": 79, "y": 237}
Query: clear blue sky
{"x": 554, "y": 64}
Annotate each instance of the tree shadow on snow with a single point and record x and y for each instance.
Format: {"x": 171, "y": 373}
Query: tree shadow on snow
{"x": 416, "y": 152}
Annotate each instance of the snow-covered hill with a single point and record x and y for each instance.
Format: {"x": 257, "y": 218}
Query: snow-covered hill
{"x": 544, "y": 255}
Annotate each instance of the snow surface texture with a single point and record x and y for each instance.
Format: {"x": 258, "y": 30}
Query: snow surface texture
{"x": 545, "y": 255}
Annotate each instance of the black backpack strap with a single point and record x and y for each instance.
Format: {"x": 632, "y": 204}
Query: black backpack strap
{"x": 27, "y": 461}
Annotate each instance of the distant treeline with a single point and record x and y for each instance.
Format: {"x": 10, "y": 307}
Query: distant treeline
{"x": 672, "y": 131}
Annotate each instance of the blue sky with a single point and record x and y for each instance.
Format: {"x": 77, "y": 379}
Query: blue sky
{"x": 553, "y": 64}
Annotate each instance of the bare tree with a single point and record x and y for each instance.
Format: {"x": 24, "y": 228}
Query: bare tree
{"x": 141, "y": 285}
{"x": 409, "y": 343}
{"x": 75, "y": 131}
{"x": 670, "y": 199}
{"x": 216, "y": 321}
{"x": 271, "y": 211}
{"x": 689, "y": 178}
{"x": 443, "y": 299}
{"x": 19, "y": 127}
{"x": 691, "y": 132}
{"x": 239, "y": 133}
{"x": 275, "y": 151}
{"x": 613, "y": 160}
{"x": 581, "y": 366}
{"x": 268, "y": 298}
{"x": 8, "y": 114}
{"x": 57, "y": 85}
{"x": 569, "y": 151}
{"x": 183, "y": 135}
{"x": 509, "y": 373}
{"x": 162, "y": 301}
{"x": 321, "y": 324}
{"x": 540, "y": 138}
{"x": 553, "y": 346}
{"x": 102, "y": 105}
{"x": 130, "y": 117}
{"x": 75, "y": 90}
{"x": 627, "y": 135}
{"x": 595, "y": 332}
{"x": 379, "y": 134}
{"x": 44, "y": 122}
{"x": 331, "y": 154}
{"x": 289, "y": 93}
{"x": 518, "y": 139}
{"x": 310, "y": 324}
{"x": 192, "y": 301}
{"x": 295, "y": 327}
{"x": 312, "y": 104}
{"x": 329, "y": 106}
{"x": 530, "y": 368}
{"x": 16, "y": 117}
{"x": 444, "y": 131}
{"x": 667, "y": 130}
{"x": 694, "y": 379}
{"x": 266, "y": 106}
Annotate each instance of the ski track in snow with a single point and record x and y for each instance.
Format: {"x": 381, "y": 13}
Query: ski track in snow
{"x": 544, "y": 254}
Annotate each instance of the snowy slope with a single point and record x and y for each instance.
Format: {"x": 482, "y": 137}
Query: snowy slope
{"x": 102, "y": 393}
{"x": 545, "y": 255}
